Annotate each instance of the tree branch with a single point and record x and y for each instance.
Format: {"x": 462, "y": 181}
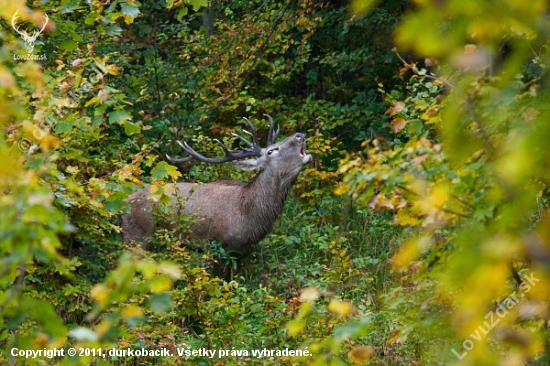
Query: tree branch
{"x": 413, "y": 68}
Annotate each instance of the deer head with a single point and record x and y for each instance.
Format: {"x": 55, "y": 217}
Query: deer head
{"x": 285, "y": 156}
{"x": 28, "y": 38}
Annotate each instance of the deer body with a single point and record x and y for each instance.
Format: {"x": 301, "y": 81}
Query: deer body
{"x": 237, "y": 214}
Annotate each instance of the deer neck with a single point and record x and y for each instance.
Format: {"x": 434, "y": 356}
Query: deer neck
{"x": 266, "y": 195}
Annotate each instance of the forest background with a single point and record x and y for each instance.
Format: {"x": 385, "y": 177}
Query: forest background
{"x": 418, "y": 235}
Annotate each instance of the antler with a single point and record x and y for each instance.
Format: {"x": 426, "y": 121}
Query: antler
{"x": 271, "y": 138}
{"x": 230, "y": 155}
{"x": 24, "y": 33}
{"x": 36, "y": 33}
{"x": 14, "y": 23}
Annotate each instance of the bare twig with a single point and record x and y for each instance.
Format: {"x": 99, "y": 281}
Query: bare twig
{"x": 413, "y": 68}
{"x": 443, "y": 209}
{"x": 239, "y": 32}
{"x": 137, "y": 159}
{"x": 255, "y": 53}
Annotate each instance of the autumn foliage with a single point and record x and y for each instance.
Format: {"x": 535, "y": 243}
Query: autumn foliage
{"x": 418, "y": 235}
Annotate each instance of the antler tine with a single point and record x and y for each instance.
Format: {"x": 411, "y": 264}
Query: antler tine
{"x": 229, "y": 155}
{"x": 253, "y": 133}
{"x": 271, "y": 136}
{"x": 225, "y": 149}
{"x": 14, "y": 22}
{"x": 248, "y": 143}
{"x": 253, "y": 150}
{"x": 44, "y": 26}
{"x": 178, "y": 161}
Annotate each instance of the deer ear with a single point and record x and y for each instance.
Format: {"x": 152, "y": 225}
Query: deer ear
{"x": 246, "y": 165}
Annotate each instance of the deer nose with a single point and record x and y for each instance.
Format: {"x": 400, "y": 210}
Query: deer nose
{"x": 301, "y": 137}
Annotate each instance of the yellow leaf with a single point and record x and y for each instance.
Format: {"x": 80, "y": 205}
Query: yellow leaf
{"x": 131, "y": 311}
{"x": 46, "y": 140}
{"x": 124, "y": 343}
{"x": 128, "y": 19}
{"x": 124, "y": 173}
{"x": 103, "y": 328}
{"x": 295, "y": 327}
{"x": 100, "y": 293}
{"x": 148, "y": 269}
{"x": 343, "y": 308}
{"x": 170, "y": 269}
{"x": 434, "y": 200}
{"x": 92, "y": 101}
{"x": 113, "y": 69}
{"x": 173, "y": 172}
{"x": 404, "y": 218}
{"x": 342, "y": 188}
{"x": 48, "y": 246}
{"x": 50, "y": 142}
{"x": 160, "y": 284}
{"x": 362, "y": 6}
{"x": 394, "y": 336}
{"x": 361, "y": 353}
{"x": 155, "y": 186}
{"x": 410, "y": 250}
{"x": 41, "y": 340}
{"x": 398, "y": 124}
{"x": 10, "y": 165}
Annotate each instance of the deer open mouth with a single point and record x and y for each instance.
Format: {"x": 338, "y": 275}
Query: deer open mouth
{"x": 303, "y": 150}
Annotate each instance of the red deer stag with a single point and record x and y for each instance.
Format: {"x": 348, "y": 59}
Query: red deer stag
{"x": 234, "y": 213}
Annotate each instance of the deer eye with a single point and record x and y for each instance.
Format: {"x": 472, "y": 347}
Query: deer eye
{"x": 269, "y": 152}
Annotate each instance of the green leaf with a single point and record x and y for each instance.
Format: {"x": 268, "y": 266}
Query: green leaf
{"x": 161, "y": 303}
{"x": 63, "y": 127}
{"x": 119, "y": 117}
{"x": 69, "y": 8}
{"x": 43, "y": 313}
{"x": 115, "y": 202}
{"x": 197, "y": 4}
{"x": 130, "y": 10}
{"x": 164, "y": 170}
{"x": 68, "y": 45}
{"x": 181, "y": 13}
{"x": 113, "y": 30}
{"x": 131, "y": 128}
